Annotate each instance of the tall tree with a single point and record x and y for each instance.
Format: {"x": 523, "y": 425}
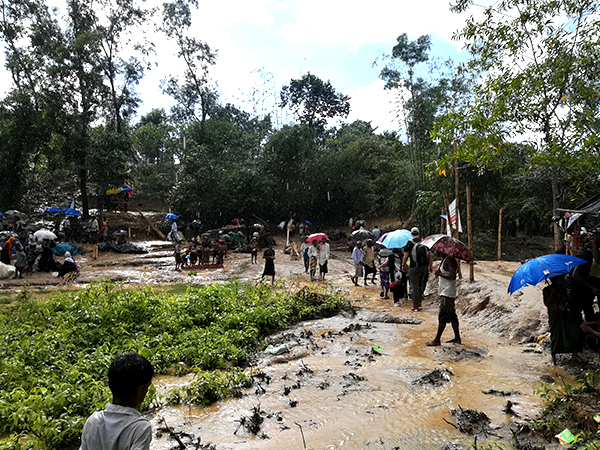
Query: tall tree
{"x": 539, "y": 83}
{"x": 192, "y": 91}
{"x": 314, "y": 100}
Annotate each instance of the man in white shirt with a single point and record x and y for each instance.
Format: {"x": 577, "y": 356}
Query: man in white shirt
{"x": 120, "y": 426}
{"x": 323, "y": 258}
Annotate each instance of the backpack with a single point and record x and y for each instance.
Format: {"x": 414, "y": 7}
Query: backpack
{"x": 420, "y": 254}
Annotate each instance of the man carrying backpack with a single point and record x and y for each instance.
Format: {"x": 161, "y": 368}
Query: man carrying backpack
{"x": 421, "y": 261}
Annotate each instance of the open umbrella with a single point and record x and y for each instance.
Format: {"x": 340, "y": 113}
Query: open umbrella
{"x": 316, "y": 237}
{"x": 362, "y": 234}
{"x": 448, "y": 245}
{"x": 52, "y": 210}
{"x": 13, "y": 213}
{"x": 171, "y": 216}
{"x": 45, "y": 234}
{"x": 542, "y": 268}
{"x": 1, "y": 214}
{"x": 70, "y": 212}
{"x": 396, "y": 239}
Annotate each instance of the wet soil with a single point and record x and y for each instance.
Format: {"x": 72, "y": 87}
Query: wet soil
{"x": 362, "y": 380}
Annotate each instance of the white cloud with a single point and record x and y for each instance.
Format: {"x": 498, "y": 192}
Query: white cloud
{"x": 373, "y": 104}
{"x": 335, "y": 21}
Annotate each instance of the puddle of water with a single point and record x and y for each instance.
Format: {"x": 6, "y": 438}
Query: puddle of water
{"x": 338, "y": 409}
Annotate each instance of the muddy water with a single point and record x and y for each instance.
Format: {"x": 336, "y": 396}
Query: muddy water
{"x": 353, "y": 398}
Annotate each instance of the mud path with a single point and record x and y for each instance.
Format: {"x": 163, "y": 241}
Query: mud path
{"x": 358, "y": 381}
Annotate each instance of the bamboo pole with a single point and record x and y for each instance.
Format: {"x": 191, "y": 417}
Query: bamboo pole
{"x": 500, "y": 235}
{"x": 470, "y": 234}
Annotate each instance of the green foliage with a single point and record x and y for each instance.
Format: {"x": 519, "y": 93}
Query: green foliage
{"x": 54, "y": 354}
{"x": 536, "y": 83}
{"x": 314, "y": 101}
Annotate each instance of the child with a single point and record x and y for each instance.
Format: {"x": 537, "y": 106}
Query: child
{"x": 120, "y": 425}
{"x": 384, "y": 279}
{"x": 21, "y": 261}
{"x": 254, "y": 253}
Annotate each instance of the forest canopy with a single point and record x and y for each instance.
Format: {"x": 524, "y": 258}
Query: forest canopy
{"x": 518, "y": 122}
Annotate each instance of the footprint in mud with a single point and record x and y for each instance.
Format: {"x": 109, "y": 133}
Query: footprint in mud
{"x": 461, "y": 352}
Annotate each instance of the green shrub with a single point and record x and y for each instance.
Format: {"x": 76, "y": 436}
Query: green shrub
{"x": 54, "y": 354}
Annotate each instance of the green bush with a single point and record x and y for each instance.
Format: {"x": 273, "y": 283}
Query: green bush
{"x": 54, "y": 354}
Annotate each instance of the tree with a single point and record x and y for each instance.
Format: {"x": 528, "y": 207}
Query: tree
{"x": 73, "y": 71}
{"x": 314, "y": 101}
{"x": 193, "y": 95}
{"x": 538, "y": 83}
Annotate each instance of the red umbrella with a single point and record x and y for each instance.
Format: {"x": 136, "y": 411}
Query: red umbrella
{"x": 316, "y": 237}
{"x": 448, "y": 245}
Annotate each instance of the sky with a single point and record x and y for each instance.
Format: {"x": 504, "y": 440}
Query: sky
{"x": 335, "y": 40}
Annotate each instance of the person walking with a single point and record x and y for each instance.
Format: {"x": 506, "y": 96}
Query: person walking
{"x": 447, "y": 292}
{"x": 369, "y": 262}
{"x": 324, "y": 251}
{"x": 313, "y": 255}
{"x": 397, "y": 279}
{"x": 376, "y": 233}
{"x": 421, "y": 261}
{"x": 358, "y": 255}
{"x": 269, "y": 257}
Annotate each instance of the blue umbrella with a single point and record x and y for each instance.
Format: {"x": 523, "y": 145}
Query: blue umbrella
{"x": 70, "y": 212}
{"x": 171, "y": 216}
{"x": 52, "y": 210}
{"x": 1, "y": 214}
{"x": 542, "y": 268}
{"x": 396, "y": 239}
{"x": 308, "y": 222}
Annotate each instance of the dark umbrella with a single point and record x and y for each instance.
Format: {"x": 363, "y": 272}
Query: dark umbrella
{"x": 120, "y": 233}
{"x": 542, "y": 268}
{"x": 362, "y": 234}
{"x": 13, "y": 213}
{"x": 448, "y": 245}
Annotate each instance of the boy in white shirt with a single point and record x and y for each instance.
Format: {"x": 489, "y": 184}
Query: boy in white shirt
{"x": 120, "y": 426}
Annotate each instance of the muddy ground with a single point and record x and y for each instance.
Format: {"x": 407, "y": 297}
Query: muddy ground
{"x": 365, "y": 379}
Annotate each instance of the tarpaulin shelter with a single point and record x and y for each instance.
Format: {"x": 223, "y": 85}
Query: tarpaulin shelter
{"x": 586, "y": 214}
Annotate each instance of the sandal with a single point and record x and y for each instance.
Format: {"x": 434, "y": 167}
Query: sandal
{"x": 433, "y": 344}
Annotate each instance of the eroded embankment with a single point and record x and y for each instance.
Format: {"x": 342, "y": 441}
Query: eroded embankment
{"x": 486, "y": 305}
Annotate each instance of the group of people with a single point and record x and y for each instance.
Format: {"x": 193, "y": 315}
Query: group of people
{"x": 410, "y": 267}
{"x": 199, "y": 254}
{"x": 316, "y": 253}
{"x": 31, "y": 253}
{"x": 570, "y": 301}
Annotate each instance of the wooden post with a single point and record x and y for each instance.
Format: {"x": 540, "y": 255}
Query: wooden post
{"x": 500, "y": 235}
{"x": 470, "y": 233}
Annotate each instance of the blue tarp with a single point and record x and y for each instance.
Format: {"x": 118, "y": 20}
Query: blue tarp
{"x": 60, "y": 249}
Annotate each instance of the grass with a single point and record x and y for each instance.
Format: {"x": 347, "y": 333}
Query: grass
{"x": 55, "y": 349}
